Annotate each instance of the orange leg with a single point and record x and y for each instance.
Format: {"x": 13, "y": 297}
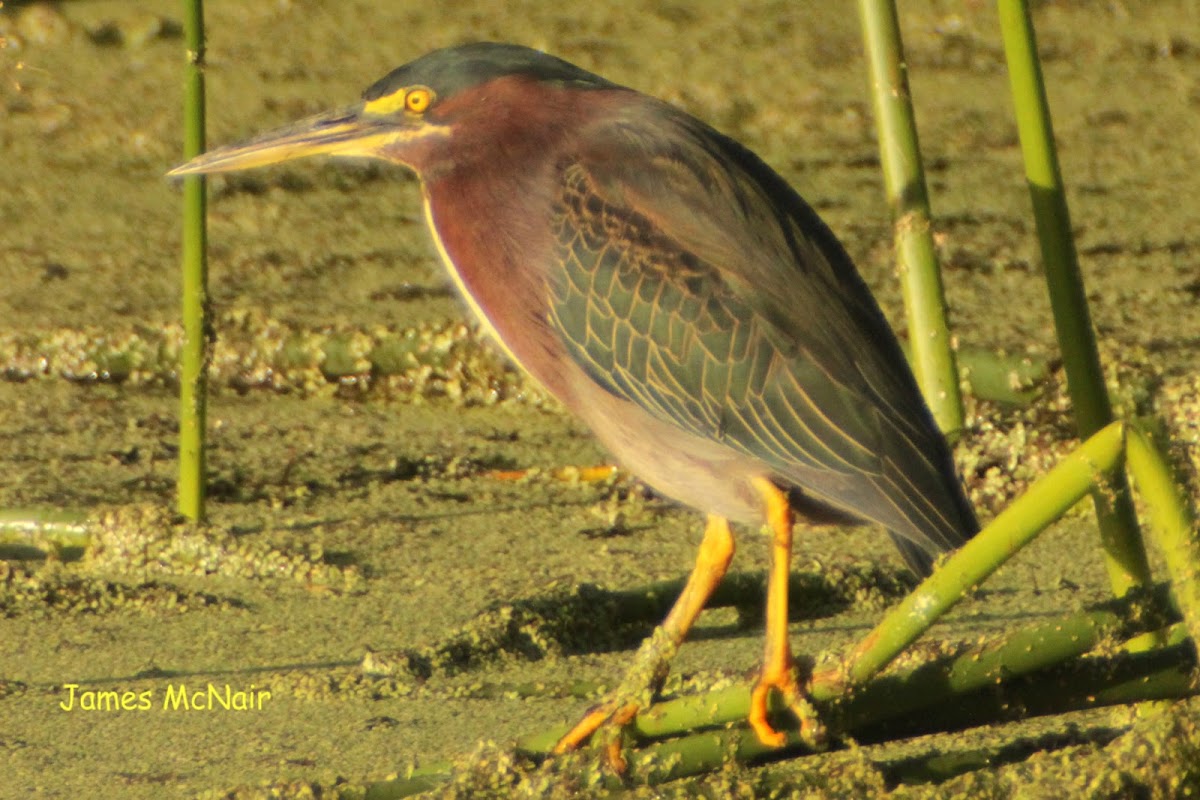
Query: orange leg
{"x": 649, "y": 668}
{"x": 778, "y": 669}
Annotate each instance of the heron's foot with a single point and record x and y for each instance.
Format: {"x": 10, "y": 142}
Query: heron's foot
{"x": 619, "y": 707}
{"x": 795, "y": 697}
{"x": 611, "y": 715}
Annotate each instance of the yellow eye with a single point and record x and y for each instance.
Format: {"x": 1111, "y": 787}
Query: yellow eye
{"x": 418, "y": 99}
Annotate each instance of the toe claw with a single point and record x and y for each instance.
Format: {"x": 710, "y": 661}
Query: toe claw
{"x": 763, "y": 729}
{"x": 812, "y": 732}
{"x": 613, "y": 751}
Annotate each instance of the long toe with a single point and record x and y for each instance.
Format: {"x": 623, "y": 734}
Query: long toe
{"x": 812, "y": 731}
{"x": 636, "y": 691}
{"x": 612, "y": 714}
{"x": 651, "y": 662}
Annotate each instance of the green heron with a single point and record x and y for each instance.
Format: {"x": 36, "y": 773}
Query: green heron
{"x": 675, "y": 293}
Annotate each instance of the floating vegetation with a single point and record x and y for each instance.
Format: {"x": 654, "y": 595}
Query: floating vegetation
{"x": 142, "y": 539}
{"x": 584, "y": 618}
{"x": 253, "y": 351}
{"x": 1005, "y": 446}
{"x": 1178, "y": 405}
{"x": 53, "y": 587}
{"x": 449, "y": 360}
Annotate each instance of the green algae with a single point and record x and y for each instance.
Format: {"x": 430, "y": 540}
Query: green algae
{"x": 353, "y": 512}
{"x": 256, "y": 352}
{"x": 146, "y": 540}
{"x": 56, "y": 589}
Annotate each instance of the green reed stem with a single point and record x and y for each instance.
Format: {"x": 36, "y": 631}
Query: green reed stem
{"x": 34, "y": 532}
{"x": 1045, "y": 501}
{"x": 193, "y": 387}
{"x": 985, "y": 683}
{"x": 1172, "y": 523}
{"x": 908, "y": 199}
{"x": 1125, "y": 553}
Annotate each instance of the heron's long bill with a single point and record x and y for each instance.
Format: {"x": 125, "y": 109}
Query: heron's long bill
{"x": 347, "y": 132}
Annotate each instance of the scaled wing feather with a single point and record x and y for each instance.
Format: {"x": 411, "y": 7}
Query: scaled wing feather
{"x": 705, "y": 291}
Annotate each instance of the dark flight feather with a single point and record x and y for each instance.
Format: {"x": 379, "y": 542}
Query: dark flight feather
{"x": 662, "y": 303}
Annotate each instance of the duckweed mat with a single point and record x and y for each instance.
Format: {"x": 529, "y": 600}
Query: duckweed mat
{"x": 374, "y": 591}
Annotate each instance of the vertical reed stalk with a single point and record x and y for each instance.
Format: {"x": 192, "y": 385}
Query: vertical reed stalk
{"x": 1125, "y": 554}
{"x": 908, "y": 199}
{"x": 194, "y": 358}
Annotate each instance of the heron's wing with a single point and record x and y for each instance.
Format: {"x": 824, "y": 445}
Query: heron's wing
{"x": 657, "y": 326}
{"x": 716, "y": 301}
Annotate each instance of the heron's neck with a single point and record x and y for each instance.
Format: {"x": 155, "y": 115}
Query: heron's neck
{"x": 496, "y": 247}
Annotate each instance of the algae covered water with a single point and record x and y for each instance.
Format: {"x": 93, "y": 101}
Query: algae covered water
{"x": 372, "y": 591}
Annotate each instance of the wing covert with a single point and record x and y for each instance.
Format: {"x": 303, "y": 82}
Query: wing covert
{"x": 702, "y": 288}
{"x": 656, "y": 325}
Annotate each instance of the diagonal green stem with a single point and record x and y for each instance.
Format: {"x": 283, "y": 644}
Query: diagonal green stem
{"x": 1125, "y": 554}
{"x": 893, "y": 697}
{"x": 1045, "y": 501}
{"x": 952, "y": 691}
{"x": 1172, "y": 522}
{"x": 904, "y": 181}
{"x": 194, "y": 357}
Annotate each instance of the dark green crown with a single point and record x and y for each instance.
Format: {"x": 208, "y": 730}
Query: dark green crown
{"x": 453, "y": 69}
